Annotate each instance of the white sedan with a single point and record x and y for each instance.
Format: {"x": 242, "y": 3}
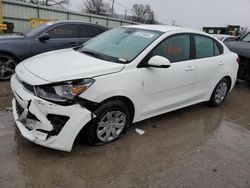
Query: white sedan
{"x": 122, "y": 76}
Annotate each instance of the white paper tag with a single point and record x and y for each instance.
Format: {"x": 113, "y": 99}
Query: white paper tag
{"x": 144, "y": 35}
{"x": 139, "y": 131}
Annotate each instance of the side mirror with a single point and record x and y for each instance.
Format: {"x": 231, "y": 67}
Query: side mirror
{"x": 159, "y": 62}
{"x": 44, "y": 37}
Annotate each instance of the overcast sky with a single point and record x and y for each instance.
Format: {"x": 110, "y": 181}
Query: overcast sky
{"x": 189, "y": 13}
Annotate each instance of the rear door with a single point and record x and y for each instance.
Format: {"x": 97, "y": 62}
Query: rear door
{"x": 208, "y": 63}
{"x": 88, "y": 31}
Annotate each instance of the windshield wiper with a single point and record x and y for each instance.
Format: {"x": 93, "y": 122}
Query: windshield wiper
{"x": 93, "y": 54}
{"x": 100, "y": 56}
{"x": 88, "y": 52}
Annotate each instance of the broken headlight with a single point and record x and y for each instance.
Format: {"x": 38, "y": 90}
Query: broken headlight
{"x": 64, "y": 91}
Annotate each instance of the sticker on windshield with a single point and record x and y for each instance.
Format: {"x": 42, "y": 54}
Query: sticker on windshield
{"x": 144, "y": 35}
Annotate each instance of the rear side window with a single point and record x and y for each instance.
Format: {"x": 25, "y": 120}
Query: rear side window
{"x": 64, "y": 31}
{"x": 175, "y": 48}
{"x": 89, "y": 31}
{"x": 216, "y": 50}
{"x": 206, "y": 47}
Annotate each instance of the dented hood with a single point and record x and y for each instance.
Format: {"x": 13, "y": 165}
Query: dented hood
{"x": 240, "y": 48}
{"x": 68, "y": 64}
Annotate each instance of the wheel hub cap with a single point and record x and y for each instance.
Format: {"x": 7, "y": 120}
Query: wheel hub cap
{"x": 111, "y": 126}
{"x": 7, "y": 67}
{"x": 221, "y": 92}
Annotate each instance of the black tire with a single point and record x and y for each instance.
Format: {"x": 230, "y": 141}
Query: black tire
{"x": 7, "y": 69}
{"x": 214, "y": 101}
{"x": 92, "y": 127}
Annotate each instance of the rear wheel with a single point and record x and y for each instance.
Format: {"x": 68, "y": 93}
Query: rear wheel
{"x": 220, "y": 93}
{"x": 7, "y": 66}
{"x": 111, "y": 122}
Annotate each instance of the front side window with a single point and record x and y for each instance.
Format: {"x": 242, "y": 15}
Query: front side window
{"x": 175, "y": 48}
{"x": 121, "y": 44}
{"x": 64, "y": 31}
{"x": 38, "y": 29}
{"x": 246, "y": 38}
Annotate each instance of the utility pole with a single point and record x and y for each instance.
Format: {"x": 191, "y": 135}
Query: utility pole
{"x": 125, "y": 14}
{"x": 112, "y": 10}
{"x": 1, "y": 12}
{"x": 173, "y": 23}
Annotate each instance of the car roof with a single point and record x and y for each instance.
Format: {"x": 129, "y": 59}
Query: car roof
{"x": 75, "y": 21}
{"x": 163, "y": 28}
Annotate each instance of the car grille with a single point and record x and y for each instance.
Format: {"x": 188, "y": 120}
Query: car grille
{"x": 19, "y": 108}
{"x": 27, "y": 87}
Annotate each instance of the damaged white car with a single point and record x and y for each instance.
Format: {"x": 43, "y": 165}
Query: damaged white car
{"x": 122, "y": 76}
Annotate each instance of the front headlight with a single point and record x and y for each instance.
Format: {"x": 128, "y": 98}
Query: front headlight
{"x": 64, "y": 91}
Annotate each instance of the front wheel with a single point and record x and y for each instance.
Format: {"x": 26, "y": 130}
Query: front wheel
{"x": 7, "y": 66}
{"x": 111, "y": 122}
{"x": 220, "y": 93}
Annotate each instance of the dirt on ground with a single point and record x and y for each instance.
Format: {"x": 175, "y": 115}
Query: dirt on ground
{"x": 198, "y": 146}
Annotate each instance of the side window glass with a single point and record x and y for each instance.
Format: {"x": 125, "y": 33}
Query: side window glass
{"x": 216, "y": 49}
{"x": 64, "y": 31}
{"x": 246, "y": 38}
{"x": 204, "y": 46}
{"x": 88, "y": 31}
{"x": 99, "y": 30}
{"x": 175, "y": 48}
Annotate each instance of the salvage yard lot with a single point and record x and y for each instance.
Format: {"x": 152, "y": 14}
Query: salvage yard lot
{"x": 197, "y": 146}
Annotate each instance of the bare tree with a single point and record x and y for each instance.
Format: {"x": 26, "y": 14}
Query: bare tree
{"x": 143, "y": 14}
{"x": 48, "y": 2}
{"x": 96, "y": 7}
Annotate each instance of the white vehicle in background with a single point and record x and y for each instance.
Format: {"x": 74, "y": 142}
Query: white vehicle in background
{"x": 225, "y": 38}
{"x": 122, "y": 76}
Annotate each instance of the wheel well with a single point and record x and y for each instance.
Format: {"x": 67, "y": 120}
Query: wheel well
{"x": 229, "y": 80}
{"x": 126, "y": 101}
{"x": 10, "y": 54}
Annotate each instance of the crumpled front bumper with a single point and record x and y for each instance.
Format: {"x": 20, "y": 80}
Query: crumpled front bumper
{"x": 34, "y": 124}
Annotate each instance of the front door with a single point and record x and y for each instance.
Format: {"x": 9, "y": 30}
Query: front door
{"x": 167, "y": 88}
{"x": 61, "y": 36}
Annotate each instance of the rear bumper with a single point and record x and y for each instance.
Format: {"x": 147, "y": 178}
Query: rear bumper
{"x": 34, "y": 124}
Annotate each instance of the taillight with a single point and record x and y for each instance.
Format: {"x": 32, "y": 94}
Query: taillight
{"x": 238, "y": 60}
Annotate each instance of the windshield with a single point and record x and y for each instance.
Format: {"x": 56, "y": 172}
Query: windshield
{"x": 121, "y": 44}
{"x": 38, "y": 29}
{"x": 246, "y": 38}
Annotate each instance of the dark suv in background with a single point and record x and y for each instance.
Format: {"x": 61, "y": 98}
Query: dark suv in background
{"x": 50, "y": 36}
{"x": 242, "y": 48}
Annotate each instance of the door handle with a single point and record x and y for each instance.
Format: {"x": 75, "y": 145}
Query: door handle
{"x": 189, "y": 68}
{"x": 221, "y": 63}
